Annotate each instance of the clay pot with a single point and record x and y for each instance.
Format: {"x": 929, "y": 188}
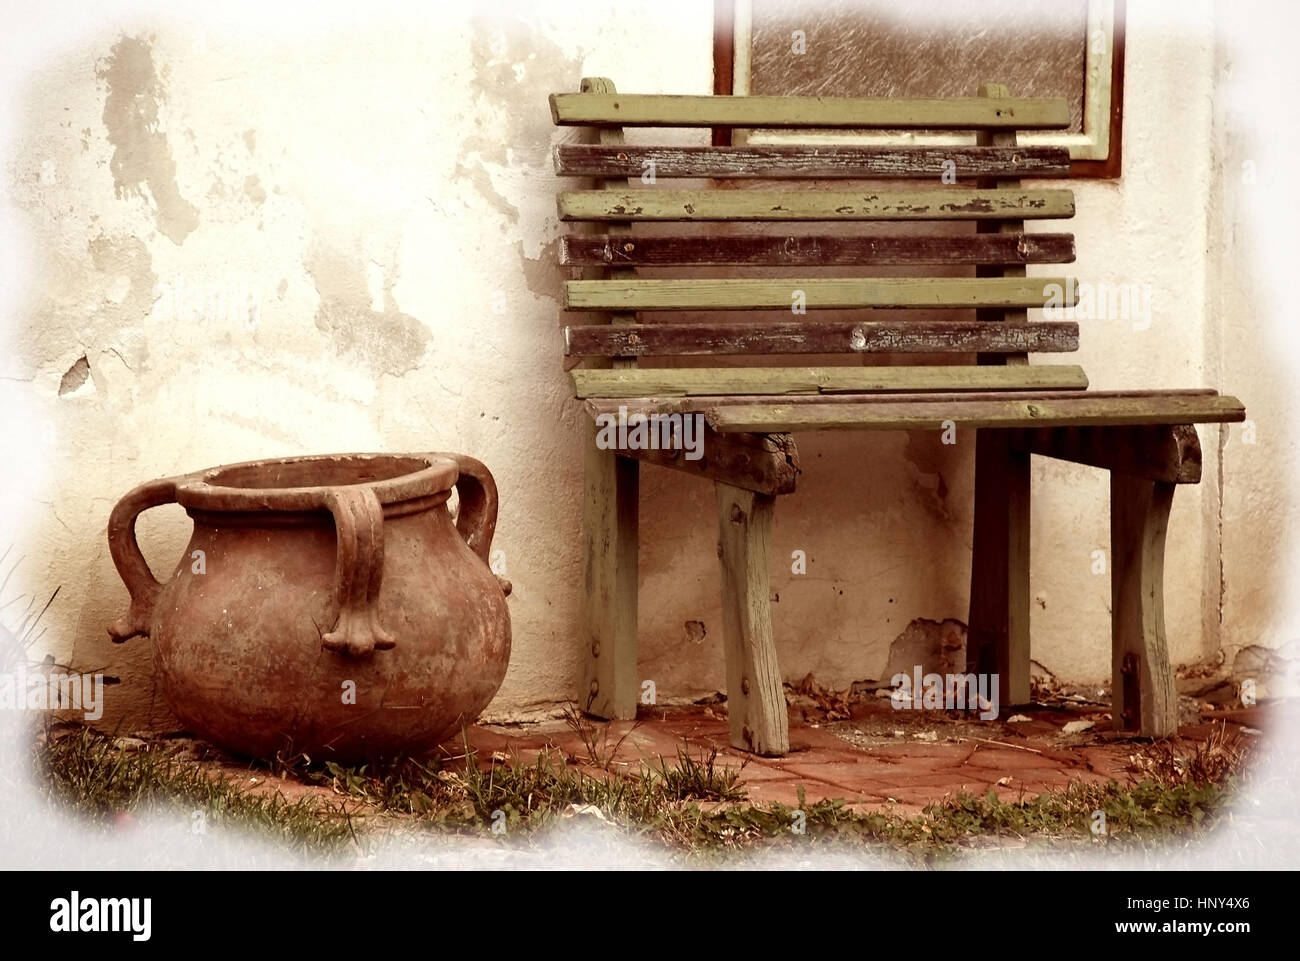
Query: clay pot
{"x": 325, "y": 605}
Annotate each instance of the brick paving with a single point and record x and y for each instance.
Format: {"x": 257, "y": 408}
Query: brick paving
{"x": 878, "y": 759}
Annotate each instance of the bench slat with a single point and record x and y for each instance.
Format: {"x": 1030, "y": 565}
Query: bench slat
{"x": 670, "y": 110}
{"x": 818, "y": 293}
{"x": 953, "y": 203}
{"x": 1082, "y": 410}
{"x": 603, "y": 250}
{"x": 685, "y": 382}
{"x": 819, "y": 337}
{"x": 828, "y": 162}
{"x": 703, "y": 404}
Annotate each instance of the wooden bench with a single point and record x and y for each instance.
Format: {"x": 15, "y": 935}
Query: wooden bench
{"x": 1145, "y": 438}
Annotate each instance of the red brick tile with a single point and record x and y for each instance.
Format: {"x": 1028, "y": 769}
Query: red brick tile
{"x": 863, "y": 772}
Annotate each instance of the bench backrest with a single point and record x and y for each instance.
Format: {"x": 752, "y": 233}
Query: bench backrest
{"x": 788, "y": 253}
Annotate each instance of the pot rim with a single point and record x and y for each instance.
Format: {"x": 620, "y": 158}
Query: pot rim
{"x": 418, "y": 476}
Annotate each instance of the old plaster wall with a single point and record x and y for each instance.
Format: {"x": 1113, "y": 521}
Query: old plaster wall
{"x": 1253, "y": 342}
{"x": 335, "y": 232}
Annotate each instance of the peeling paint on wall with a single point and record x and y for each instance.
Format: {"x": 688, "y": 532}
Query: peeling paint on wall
{"x": 474, "y": 175}
{"x": 254, "y": 190}
{"x": 540, "y": 276}
{"x": 929, "y": 460}
{"x": 126, "y": 257}
{"x": 505, "y": 55}
{"x": 142, "y": 156}
{"x": 387, "y": 340}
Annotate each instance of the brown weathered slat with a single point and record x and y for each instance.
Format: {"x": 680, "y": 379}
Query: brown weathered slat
{"x": 952, "y": 203}
{"x": 816, "y": 337}
{"x": 813, "y": 162}
{"x": 1164, "y": 453}
{"x": 1084, "y": 409}
{"x": 606, "y": 250}
{"x": 816, "y": 293}
{"x": 670, "y": 110}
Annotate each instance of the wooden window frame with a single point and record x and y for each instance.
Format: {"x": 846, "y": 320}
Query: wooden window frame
{"x": 1094, "y": 167}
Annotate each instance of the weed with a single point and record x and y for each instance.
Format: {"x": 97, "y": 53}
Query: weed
{"x": 600, "y": 752}
{"x": 698, "y": 780}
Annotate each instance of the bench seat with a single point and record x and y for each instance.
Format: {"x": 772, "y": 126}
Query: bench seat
{"x": 819, "y": 381}
{"x": 925, "y": 411}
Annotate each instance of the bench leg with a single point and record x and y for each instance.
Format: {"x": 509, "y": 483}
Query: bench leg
{"x": 755, "y": 699}
{"x": 1144, "y": 698}
{"x": 998, "y": 631}
{"x": 609, "y": 541}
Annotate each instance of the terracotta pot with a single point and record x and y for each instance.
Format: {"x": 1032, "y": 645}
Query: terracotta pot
{"x": 324, "y": 605}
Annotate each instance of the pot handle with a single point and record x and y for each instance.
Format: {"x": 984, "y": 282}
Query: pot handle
{"x": 131, "y": 566}
{"x": 476, "y": 520}
{"x": 358, "y": 573}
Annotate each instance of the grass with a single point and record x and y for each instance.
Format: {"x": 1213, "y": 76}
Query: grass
{"x": 86, "y": 774}
{"x": 692, "y": 805}
{"x": 697, "y": 780}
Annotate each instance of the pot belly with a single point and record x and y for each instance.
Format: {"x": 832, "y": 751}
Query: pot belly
{"x": 238, "y": 648}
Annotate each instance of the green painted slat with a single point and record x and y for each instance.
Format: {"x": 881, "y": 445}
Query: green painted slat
{"x": 707, "y": 381}
{"x": 672, "y": 110}
{"x": 1087, "y": 409}
{"x": 806, "y": 205}
{"x": 817, "y": 293}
